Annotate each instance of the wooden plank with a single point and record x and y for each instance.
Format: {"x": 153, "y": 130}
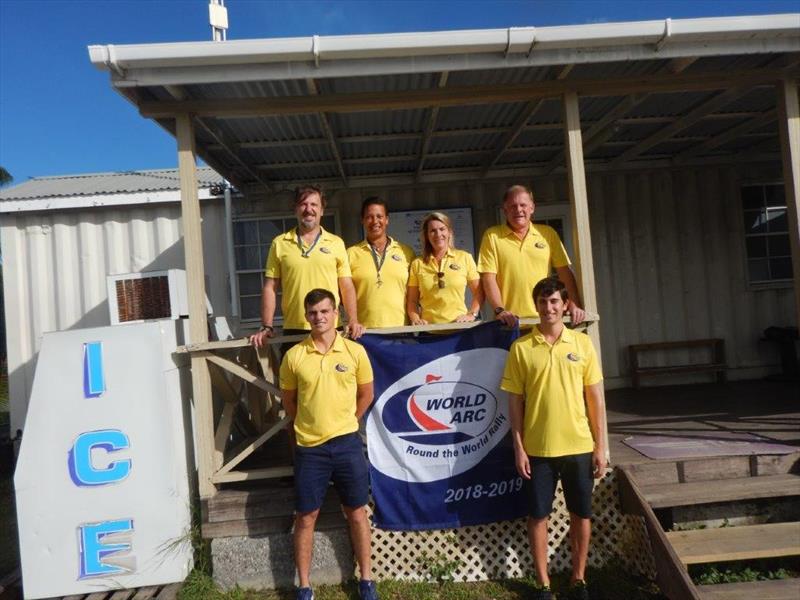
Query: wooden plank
{"x": 776, "y": 589}
{"x": 223, "y": 433}
{"x": 242, "y": 343}
{"x": 324, "y": 122}
{"x": 241, "y": 372}
{"x": 248, "y": 450}
{"x": 198, "y": 319}
{"x": 770, "y": 540}
{"x": 690, "y": 118}
{"x": 721, "y": 490}
{"x": 145, "y": 593}
{"x": 97, "y": 596}
{"x": 460, "y": 96}
{"x": 325, "y": 521}
{"x": 122, "y": 594}
{"x": 676, "y": 344}
{"x": 530, "y": 109}
{"x": 725, "y": 137}
{"x": 10, "y": 579}
{"x": 170, "y": 591}
{"x": 253, "y": 474}
{"x": 714, "y": 468}
{"x": 582, "y": 236}
{"x": 671, "y": 575}
{"x": 263, "y": 503}
{"x": 681, "y": 369}
{"x": 789, "y": 127}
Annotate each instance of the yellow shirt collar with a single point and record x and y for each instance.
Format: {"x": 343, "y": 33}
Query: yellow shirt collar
{"x": 449, "y": 254}
{"x": 567, "y": 336}
{"x": 532, "y": 231}
{"x": 338, "y": 345}
{"x": 291, "y": 235}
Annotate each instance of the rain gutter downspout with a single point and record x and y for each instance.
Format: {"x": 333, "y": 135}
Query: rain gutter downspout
{"x": 232, "y": 283}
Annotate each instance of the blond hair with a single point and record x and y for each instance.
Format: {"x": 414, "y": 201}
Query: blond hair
{"x": 427, "y": 249}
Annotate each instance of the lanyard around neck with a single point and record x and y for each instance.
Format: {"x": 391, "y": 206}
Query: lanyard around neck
{"x": 379, "y": 261}
{"x": 305, "y": 253}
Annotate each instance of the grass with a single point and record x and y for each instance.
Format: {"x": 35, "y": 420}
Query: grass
{"x": 751, "y": 570}
{"x": 613, "y": 580}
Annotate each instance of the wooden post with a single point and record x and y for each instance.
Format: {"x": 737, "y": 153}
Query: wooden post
{"x": 789, "y": 125}
{"x": 198, "y": 319}
{"x": 582, "y": 237}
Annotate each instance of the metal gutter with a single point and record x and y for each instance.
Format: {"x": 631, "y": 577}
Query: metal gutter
{"x": 503, "y": 42}
{"x": 58, "y": 203}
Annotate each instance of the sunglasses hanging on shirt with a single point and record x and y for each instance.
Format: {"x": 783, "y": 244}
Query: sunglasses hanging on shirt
{"x": 440, "y": 275}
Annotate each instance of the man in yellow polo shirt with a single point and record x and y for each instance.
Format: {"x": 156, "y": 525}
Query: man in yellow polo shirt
{"x": 379, "y": 266}
{"x": 300, "y": 260}
{"x": 517, "y": 254}
{"x": 557, "y": 411}
{"x": 326, "y": 387}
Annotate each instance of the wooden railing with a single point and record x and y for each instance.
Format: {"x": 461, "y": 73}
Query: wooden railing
{"x": 246, "y": 379}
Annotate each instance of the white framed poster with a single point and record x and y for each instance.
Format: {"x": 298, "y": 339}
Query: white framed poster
{"x": 404, "y": 226}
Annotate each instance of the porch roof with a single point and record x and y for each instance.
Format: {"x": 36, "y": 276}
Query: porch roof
{"x": 353, "y": 111}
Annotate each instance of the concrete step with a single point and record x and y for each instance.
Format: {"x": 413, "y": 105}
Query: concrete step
{"x": 777, "y": 589}
{"x": 771, "y": 540}
{"x": 664, "y": 495}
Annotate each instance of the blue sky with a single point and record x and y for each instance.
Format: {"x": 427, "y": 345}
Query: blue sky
{"x": 59, "y": 115}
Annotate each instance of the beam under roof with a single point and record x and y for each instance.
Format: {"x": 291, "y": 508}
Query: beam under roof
{"x": 461, "y": 96}
{"x": 430, "y": 125}
{"x": 324, "y": 122}
{"x": 726, "y": 136}
{"x": 692, "y": 117}
{"x": 512, "y": 134}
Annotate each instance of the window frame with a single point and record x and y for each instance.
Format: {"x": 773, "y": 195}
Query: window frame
{"x": 741, "y": 210}
{"x": 248, "y": 322}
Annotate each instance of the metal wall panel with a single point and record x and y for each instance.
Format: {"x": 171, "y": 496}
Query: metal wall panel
{"x": 55, "y": 267}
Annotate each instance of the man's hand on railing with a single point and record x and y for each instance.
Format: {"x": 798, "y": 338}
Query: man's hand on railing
{"x": 354, "y": 330}
{"x": 577, "y": 313}
{"x": 260, "y": 337}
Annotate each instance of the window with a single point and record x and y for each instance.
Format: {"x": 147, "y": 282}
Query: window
{"x": 251, "y": 241}
{"x": 766, "y": 234}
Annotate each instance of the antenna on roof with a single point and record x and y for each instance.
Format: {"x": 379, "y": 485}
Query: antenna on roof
{"x": 218, "y": 18}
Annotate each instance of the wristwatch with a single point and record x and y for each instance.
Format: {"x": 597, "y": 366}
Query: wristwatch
{"x": 498, "y": 310}
{"x": 266, "y": 327}
{"x": 477, "y": 315}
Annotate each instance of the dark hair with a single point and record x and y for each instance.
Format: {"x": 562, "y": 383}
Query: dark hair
{"x": 304, "y": 191}
{"x": 549, "y": 286}
{"x": 316, "y": 296}
{"x": 517, "y": 189}
{"x": 373, "y": 200}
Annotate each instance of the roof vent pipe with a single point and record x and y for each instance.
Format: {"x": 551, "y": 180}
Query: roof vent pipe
{"x": 665, "y": 36}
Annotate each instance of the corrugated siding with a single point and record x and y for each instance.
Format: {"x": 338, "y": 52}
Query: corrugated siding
{"x": 55, "y": 267}
{"x": 669, "y": 259}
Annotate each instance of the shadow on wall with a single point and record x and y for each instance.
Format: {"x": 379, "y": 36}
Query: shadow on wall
{"x": 21, "y": 378}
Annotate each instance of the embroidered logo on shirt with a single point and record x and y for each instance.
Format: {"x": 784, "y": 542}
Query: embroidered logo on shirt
{"x": 397, "y": 257}
{"x": 455, "y": 267}
{"x": 341, "y": 368}
{"x": 325, "y": 250}
{"x": 540, "y": 245}
{"x": 573, "y": 357}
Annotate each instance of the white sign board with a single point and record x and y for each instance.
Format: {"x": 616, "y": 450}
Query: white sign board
{"x": 404, "y": 226}
{"x": 102, "y": 484}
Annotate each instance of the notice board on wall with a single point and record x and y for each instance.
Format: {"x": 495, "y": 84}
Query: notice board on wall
{"x": 404, "y": 226}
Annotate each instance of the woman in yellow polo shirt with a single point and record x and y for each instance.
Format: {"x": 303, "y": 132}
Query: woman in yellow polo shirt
{"x": 438, "y": 279}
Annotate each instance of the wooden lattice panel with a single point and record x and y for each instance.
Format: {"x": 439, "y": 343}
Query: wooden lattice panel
{"x": 500, "y": 550}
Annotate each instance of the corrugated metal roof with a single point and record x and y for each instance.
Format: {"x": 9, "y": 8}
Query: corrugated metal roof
{"x": 90, "y": 184}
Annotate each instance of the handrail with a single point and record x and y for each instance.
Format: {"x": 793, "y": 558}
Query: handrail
{"x": 243, "y": 342}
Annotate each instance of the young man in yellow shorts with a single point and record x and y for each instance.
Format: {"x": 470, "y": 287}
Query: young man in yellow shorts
{"x": 557, "y": 411}
{"x": 326, "y": 387}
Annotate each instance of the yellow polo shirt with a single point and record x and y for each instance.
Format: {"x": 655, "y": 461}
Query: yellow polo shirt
{"x": 381, "y": 305}
{"x": 520, "y": 264}
{"x": 443, "y": 305}
{"x": 326, "y": 262}
{"x": 326, "y": 387}
{"x": 551, "y": 380}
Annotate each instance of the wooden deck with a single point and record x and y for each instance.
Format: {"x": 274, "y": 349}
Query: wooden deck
{"x": 768, "y": 408}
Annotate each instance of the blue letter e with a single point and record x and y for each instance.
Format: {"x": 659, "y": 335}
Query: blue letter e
{"x": 81, "y": 469}
{"x": 105, "y": 548}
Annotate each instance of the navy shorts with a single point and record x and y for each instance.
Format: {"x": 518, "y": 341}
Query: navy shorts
{"x": 576, "y": 472}
{"x": 341, "y": 460}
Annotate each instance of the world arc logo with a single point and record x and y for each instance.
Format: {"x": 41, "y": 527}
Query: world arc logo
{"x": 442, "y": 418}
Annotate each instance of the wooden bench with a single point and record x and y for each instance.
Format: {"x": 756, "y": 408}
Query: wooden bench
{"x": 717, "y": 363}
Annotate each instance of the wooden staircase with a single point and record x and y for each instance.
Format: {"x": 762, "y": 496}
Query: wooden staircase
{"x": 674, "y": 550}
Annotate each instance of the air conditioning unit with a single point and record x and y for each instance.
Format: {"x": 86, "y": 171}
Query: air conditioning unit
{"x": 136, "y": 297}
